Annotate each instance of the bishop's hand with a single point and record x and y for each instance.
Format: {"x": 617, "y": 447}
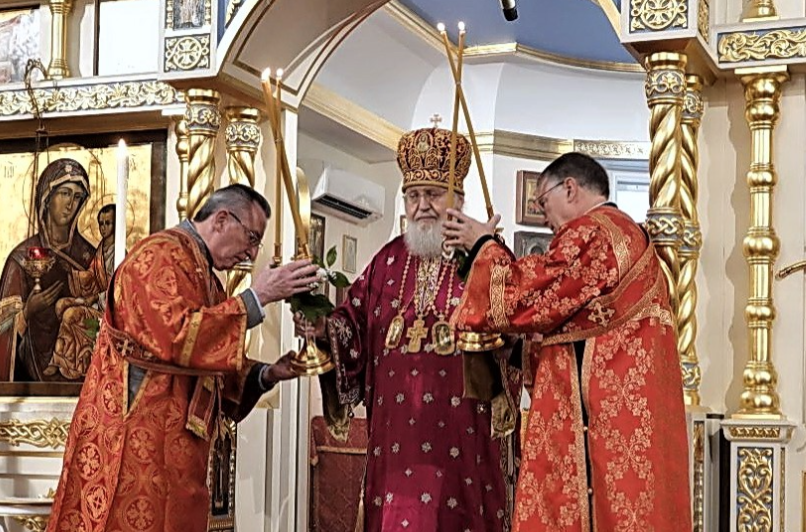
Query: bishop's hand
{"x": 462, "y": 231}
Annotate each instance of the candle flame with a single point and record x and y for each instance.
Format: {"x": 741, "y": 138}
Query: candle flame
{"x": 461, "y": 26}
{"x": 122, "y": 144}
{"x": 441, "y": 27}
{"x": 266, "y": 74}
{"x": 279, "y": 74}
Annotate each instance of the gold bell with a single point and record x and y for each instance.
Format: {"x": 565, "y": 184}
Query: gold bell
{"x": 311, "y": 361}
{"x": 475, "y": 342}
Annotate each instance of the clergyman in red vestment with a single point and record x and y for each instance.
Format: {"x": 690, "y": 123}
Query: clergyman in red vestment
{"x": 605, "y": 445}
{"x": 438, "y": 460}
{"x": 169, "y": 360}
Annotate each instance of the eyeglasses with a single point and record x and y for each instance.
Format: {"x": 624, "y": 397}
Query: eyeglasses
{"x": 253, "y": 237}
{"x": 413, "y": 197}
{"x": 541, "y": 199}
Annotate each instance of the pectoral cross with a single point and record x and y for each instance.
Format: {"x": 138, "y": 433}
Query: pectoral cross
{"x": 436, "y": 119}
{"x": 415, "y": 335}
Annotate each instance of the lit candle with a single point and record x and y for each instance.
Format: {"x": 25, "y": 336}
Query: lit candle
{"x": 278, "y": 189}
{"x": 120, "y": 203}
{"x": 273, "y": 108}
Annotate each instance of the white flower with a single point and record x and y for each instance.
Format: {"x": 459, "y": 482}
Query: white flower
{"x": 377, "y": 501}
{"x": 426, "y": 447}
{"x": 356, "y": 302}
{"x": 428, "y": 398}
{"x": 405, "y": 523}
{"x": 395, "y": 303}
{"x": 425, "y": 498}
{"x": 396, "y": 448}
{"x": 452, "y": 503}
{"x": 377, "y": 451}
{"x": 391, "y": 373}
{"x": 390, "y": 261}
{"x": 408, "y": 472}
{"x": 414, "y": 372}
{"x": 399, "y": 398}
{"x": 455, "y": 452}
{"x": 469, "y": 481}
{"x": 442, "y": 373}
{"x": 456, "y": 401}
{"x": 389, "y": 497}
{"x": 412, "y": 421}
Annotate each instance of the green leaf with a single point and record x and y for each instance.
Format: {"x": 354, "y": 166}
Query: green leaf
{"x": 338, "y": 279}
{"x": 312, "y": 306}
{"x": 318, "y": 261}
{"x": 331, "y": 257}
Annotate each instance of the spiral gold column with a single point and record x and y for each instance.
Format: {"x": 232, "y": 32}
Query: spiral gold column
{"x": 762, "y": 92}
{"x": 203, "y": 120}
{"x": 59, "y": 11}
{"x": 182, "y": 151}
{"x": 689, "y": 252}
{"x": 243, "y": 139}
{"x": 665, "y": 89}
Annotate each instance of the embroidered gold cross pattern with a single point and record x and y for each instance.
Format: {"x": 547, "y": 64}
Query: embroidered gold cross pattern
{"x": 126, "y": 348}
{"x": 599, "y": 314}
{"x": 416, "y": 334}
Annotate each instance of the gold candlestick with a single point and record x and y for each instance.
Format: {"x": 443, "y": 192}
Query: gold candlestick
{"x": 468, "y": 340}
{"x": 471, "y": 132}
{"x": 274, "y": 111}
{"x": 310, "y": 360}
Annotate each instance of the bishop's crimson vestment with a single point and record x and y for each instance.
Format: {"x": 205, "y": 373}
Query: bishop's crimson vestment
{"x": 432, "y": 462}
{"x": 605, "y": 445}
{"x": 141, "y": 464}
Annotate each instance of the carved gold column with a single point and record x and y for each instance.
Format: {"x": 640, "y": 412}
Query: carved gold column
{"x": 762, "y": 91}
{"x": 59, "y": 11}
{"x": 203, "y": 121}
{"x": 689, "y": 252}
{"x": 243, "y": 139}
{"x": 182, "y": 151}
{"x": 665, "y": 89}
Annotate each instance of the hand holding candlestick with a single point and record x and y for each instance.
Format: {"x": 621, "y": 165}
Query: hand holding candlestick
{"x": 310, "y": 360}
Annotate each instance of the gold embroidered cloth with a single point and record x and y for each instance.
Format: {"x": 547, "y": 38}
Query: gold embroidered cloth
{"x": 599, "y": 284}
{"x": 138, "y": 467}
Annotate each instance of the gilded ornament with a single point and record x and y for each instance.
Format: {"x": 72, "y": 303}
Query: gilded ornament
{"x": 658, "y": 15}
{"x": 754, "y": 495}
{"x": 202, "y": 117}
{"x": 664, "y": 226}
{"x": 189, "y": 52}
{"x": 692, "y": 106}
{"x": 612, "y": 149}
{"x": 663, "y": 84}
{"x": 691, "y": 375}
{"x": 774, "y": 44}
{"x": 34, "y": 523}
{"x": 704, "y": 19}
{"x": 39, "y": 433}
{"x": 241, "y": 134}
{"x": 756, "y": 432}
{"x": 692, "y": 239}
{"x": 90, "y": 97}
{"x": 395, "y": 333}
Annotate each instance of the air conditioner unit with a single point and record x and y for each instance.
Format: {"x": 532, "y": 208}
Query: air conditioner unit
{"x": 348, "y": 196}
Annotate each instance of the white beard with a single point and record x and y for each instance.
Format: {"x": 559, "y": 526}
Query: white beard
{"x": 424, "y": 240}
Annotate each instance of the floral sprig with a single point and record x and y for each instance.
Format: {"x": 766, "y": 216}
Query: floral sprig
{"x": 315, "y": 306}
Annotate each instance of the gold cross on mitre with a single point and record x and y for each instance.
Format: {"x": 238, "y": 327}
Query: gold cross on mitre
{"x": 436, "y": 119}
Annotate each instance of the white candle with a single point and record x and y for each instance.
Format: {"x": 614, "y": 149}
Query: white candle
{"x": 120, "y": 203}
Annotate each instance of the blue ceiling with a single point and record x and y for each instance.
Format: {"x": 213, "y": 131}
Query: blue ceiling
{"x": 574, "y": 28}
